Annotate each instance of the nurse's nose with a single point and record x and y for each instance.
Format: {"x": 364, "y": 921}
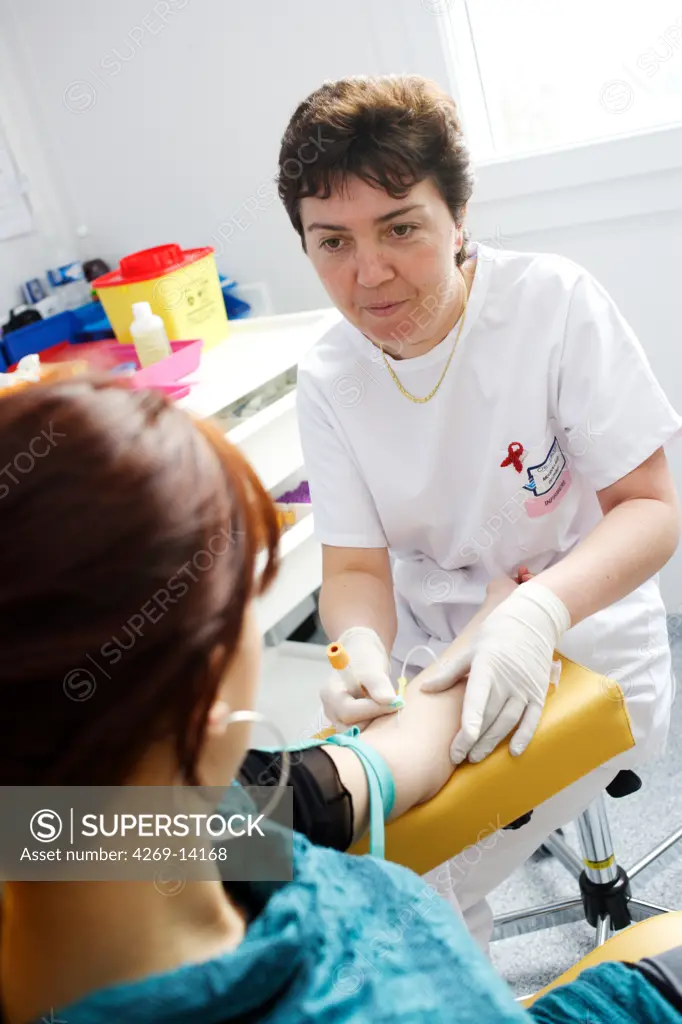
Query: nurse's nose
{"x": 372, "y": 270}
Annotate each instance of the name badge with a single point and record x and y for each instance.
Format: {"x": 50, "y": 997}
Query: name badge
{"x": 548, "y": 482}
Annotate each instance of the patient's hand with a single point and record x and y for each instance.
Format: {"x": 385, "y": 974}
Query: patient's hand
{"x": 424, "y": 729}
{"x": 502, "y": 586}
{"x": 497, "y": 591}
{"x": 415, "y": 742}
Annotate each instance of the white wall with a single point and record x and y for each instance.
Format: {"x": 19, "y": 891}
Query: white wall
{"x": 160, "y": 128}
{"x": 27, "y": 255}
{"x": 160, "y": 121}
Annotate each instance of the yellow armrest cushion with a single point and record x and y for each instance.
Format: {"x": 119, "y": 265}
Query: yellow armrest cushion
{"x": 584, "y": 724}
{"x": 648, "y": 938}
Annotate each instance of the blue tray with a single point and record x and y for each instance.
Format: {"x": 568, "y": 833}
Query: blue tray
{"x": 87, "y": 323}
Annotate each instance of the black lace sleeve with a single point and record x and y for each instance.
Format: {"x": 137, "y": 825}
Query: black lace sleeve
{"x": 323, "y": 807}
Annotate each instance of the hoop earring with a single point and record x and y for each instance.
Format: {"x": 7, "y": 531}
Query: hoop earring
{"x": 257, "y": 718}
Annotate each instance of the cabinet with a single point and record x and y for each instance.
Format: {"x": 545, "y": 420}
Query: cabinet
{"x": 257, "y": 353}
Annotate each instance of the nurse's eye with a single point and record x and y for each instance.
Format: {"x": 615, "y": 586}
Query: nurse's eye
{"x": 403, "y": 230}
{"x": 331, "y": 244}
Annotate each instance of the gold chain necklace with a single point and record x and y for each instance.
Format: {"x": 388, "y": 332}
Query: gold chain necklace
{"x": 427, "y": 398}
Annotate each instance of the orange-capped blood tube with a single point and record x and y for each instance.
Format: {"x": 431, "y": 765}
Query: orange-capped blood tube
{"x": 285, "y": 516}
{"x": 339, "y": 660}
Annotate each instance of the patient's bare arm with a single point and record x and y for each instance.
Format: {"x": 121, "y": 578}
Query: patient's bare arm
{"x": 415, "y": 742}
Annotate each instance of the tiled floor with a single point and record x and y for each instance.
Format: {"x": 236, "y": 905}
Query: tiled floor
{"x": 638, "y": 823}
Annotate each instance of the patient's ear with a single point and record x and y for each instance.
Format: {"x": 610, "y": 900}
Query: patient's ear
{"x": 217, "y": 719}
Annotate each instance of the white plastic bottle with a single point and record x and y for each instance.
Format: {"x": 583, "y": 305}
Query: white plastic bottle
{"x": 149, "y": 335}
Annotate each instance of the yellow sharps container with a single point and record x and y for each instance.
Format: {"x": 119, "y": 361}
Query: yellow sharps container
{"x": 181, "y": 286}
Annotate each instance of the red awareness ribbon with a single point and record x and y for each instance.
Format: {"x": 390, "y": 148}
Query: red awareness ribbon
{"x": 514, "y": 453}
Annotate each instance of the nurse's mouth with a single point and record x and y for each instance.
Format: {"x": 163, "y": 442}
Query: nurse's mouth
{"x": 385, "y": 308}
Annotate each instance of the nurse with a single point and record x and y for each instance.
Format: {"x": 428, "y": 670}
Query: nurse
{"x": 474, "y": 410}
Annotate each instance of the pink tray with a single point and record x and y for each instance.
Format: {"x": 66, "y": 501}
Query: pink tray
{"x": 165, "y": 374}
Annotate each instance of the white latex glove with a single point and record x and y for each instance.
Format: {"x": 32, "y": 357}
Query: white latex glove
{"x": 510, "y": 666}
{"x": 370, "y": 664}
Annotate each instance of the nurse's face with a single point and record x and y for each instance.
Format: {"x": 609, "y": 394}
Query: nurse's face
{"x": 388, "y": 264}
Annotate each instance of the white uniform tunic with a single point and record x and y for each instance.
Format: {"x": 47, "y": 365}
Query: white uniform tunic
{"x": 547, "y": 378}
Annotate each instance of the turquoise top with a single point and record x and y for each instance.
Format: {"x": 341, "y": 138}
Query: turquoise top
{"x": 355, "y": 939}
{"x": 349, "y": 939}
{"x": 610, "y": 993}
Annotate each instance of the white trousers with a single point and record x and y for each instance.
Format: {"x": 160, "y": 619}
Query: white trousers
{"x": 466, "y": 879}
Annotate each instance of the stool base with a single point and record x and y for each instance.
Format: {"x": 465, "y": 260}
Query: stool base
{"x": 606, "y": 900}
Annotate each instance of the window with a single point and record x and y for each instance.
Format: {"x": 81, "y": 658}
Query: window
{"x": 534, "y": 75}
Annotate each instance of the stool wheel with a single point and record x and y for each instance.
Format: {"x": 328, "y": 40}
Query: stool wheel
{"x": 625, "y": 783}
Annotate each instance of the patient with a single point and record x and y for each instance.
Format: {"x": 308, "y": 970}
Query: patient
{"x": 129, "y": 491}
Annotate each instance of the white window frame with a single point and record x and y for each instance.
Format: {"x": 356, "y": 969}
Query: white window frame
{"x": 603, "y": 179}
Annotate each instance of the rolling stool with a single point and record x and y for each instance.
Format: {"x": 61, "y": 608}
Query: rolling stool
{"x": 605, "y": 898}
{"x": 645, "y": 939}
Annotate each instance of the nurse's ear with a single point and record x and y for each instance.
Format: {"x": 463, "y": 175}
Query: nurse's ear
{"x": 459, "y": 240}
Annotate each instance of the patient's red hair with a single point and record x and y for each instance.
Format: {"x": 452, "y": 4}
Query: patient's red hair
{"x": 130, "y": 540}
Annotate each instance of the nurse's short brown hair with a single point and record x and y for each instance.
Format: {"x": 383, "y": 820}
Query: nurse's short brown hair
{"x": 391, "y": 131}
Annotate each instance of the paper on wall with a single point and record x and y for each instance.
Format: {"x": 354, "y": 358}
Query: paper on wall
{"x": 15, "y": 213}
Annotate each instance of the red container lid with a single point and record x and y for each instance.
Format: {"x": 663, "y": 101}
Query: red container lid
{"x": 150, "y": 263}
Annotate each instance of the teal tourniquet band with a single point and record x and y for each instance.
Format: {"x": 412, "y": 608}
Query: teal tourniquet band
{"x": 380, "y": 783}
{"x": 379, "y": 780}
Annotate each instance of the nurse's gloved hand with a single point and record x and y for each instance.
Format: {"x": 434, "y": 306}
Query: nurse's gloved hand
{"x": 373, "y": 696}
{"x": 510, "y": 667}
